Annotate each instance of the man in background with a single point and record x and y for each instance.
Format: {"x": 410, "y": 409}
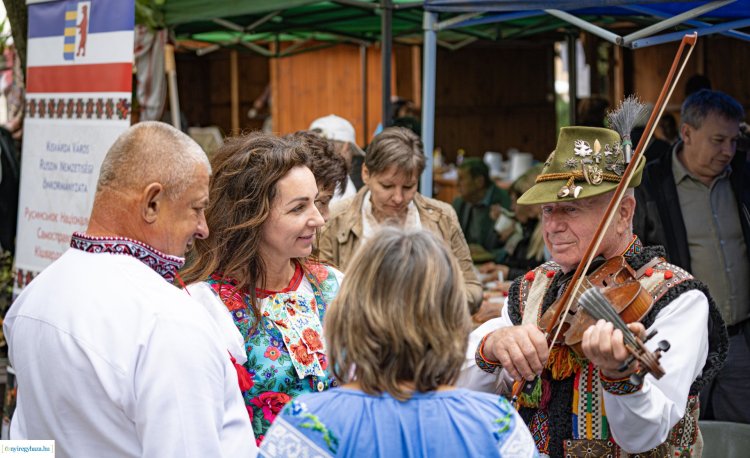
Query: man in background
{"x": 478, "y": 206}
{"x": 694, "y": 201}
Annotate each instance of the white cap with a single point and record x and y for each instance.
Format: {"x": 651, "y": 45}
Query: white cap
{"x": 334, "y": 127}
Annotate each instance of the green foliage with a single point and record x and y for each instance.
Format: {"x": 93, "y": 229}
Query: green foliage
{"x": 562, "y": 109}
{"x": 149, "y": 13}
{"x": 6, "y": 286}
{"x": 6, "y": 281}
{"x": 3, "y": 37}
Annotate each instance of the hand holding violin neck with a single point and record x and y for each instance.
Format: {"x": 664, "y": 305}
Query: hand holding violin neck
{"x": 614, "y": 346}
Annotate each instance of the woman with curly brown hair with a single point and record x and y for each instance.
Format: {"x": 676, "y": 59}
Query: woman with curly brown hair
{"x": 253, "y": 273}
{"x": 328, "y": 167}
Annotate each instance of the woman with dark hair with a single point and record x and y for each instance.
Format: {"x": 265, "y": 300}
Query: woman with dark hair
{"x": 393, "y": 164}
{"x": 398, "y": 350}
{"x": 253, "y": 273}
{"x": 328, "y": 167}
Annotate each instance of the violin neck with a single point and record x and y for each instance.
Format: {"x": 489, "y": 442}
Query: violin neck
{"x": 598, "y": 306}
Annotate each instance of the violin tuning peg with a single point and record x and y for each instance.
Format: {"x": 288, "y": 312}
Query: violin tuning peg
{"x": 650, "y": 335}
{"x": 624, "y": 366}
{"x": 664, "y": 345}
{"x": 636, "y": 378}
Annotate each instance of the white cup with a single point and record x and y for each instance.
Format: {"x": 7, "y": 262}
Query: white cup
{"x": 503, "y": 223}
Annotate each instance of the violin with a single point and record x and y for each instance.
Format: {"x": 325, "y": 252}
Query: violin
{"x": 612, "y": 292}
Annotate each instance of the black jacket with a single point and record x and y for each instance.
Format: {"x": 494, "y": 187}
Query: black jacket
{"x": 10, "y": 175}
{"x": 658, "y": 217}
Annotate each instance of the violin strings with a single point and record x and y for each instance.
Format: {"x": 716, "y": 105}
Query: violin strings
{"x": 615, "y": 319}
{"x": 585, "y": 286}
{"x": 599, "y": 307}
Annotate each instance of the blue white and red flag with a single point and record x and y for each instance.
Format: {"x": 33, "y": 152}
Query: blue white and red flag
{"x": 78, "y": 100}
{"x": 80, "y": 46}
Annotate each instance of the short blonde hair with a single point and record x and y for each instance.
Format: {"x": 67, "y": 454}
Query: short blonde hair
{"x": 396, "y": 147}
{"x": 400, "y": 316}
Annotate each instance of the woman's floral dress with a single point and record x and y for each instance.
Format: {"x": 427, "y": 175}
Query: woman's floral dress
{"x": 286, "y": 352}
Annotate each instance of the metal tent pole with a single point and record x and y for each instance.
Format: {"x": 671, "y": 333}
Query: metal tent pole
{"x": 587, "y": 26}
{"x": 386, "y": 38}
{"x": 174, "y": 99}
{"x": 673, "y": 21}
{"x": 570, "y": 39}
{"x": 428, "y": 98}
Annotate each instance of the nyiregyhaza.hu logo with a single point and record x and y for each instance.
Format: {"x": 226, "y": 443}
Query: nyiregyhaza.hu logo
{"x": 27, "y": 449}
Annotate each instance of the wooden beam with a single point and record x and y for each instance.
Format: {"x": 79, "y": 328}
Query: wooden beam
{"x": 234, "y": 95}
{"x": 416, "y": 75}
{"x": 619, "y": 75}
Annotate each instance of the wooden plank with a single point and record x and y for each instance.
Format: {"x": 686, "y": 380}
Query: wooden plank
{"x": 327, "y": 81}
{"x": 416, "y": 65}
{"x": 234, "y": 92}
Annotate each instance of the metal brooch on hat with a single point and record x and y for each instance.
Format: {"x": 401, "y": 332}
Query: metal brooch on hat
{"x": 588, "y": 161}
{"x": 614, "y": 159}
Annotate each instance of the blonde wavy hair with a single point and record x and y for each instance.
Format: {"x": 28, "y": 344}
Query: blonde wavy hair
{"x": 400, "y": 320}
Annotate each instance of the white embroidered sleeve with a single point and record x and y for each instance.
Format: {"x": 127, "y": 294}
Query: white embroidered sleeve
{"x": 641, "y": 421}
{"x": 474, "y": 378}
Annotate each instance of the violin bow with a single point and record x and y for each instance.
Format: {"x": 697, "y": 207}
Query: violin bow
{"x": 678, "y": 66}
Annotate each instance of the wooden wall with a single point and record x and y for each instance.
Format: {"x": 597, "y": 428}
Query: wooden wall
{"x": 203, "y": 84}
{"x": 304, "y": 86}
{"x": 723, "y": 60}
{"x": 489, "y": 97}
{"x": 330, "y": 81}
{"x": 492, "y": 97}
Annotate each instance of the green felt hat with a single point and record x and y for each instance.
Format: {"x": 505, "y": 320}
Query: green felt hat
{"x": 587, "y": 161}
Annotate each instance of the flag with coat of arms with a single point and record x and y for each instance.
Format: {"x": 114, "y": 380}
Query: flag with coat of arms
{"x": 78, "y": 100}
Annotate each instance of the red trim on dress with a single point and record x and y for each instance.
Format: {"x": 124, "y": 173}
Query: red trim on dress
{"x": 293, "y": 284}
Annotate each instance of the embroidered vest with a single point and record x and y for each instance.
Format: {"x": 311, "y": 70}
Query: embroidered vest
{"x": 585, "y": 431}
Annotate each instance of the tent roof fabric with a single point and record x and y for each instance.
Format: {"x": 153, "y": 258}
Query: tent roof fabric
{"x": 518, "y": 5}
{"x": 249, "y": 24}
{"x": 737, "y": 9}
{"x": 633, "y": 24}
{"x": 191, "y": 11}
{"x": 271, "y": 20}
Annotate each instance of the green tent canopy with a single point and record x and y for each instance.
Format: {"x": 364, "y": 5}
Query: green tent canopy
{"x": 255, "y": 25}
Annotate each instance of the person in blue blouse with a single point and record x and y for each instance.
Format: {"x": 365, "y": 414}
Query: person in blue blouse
{"x": 396, "y": 336}
{"x": 254, "y": 274}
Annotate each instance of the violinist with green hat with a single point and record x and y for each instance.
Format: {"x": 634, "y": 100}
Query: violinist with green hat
{"x": 588, "y": 403}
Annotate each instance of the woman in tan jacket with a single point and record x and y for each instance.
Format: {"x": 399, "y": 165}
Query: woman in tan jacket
{"x": 394, "y": 162}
